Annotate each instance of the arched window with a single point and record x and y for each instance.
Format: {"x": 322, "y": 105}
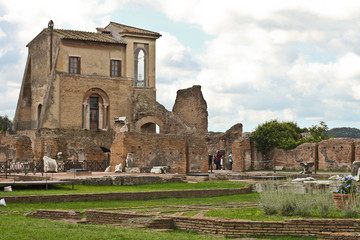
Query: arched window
{"x": 140, "y": 68}
{"x": 39, "y": 114}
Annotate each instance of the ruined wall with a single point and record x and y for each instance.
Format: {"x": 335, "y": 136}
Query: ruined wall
{"x": 247, "y": 157}
{"x": 75, "y": 148}
{"x": 336, "y": 153}
{"x": 291, "y": 159}
{"x": 191, "y": 107}
{"x": 147, "y": 110}
{"x": 178, "y": 152}
{"x": 16, "y": 148}
{"x": 241, "y": 150}
{"x": 224, "y": 141}
{"x": 197, "y": 154}
{"x": 331, "y": 154}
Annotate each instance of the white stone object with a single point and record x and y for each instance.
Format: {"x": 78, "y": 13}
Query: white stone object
{"x": 2, "y": 202}
{"x": 123, "y": 122}
{"x": 118, "y": 168}
{"x": 107, "y": 169}
{"x": 8, "y": 189}
{"x": 132, "y": 170}
{"x": 130, "y": 160}
{"x": 156, "y": 170}
{"x": 160, "y": 169}
{"x": 303, "y": 179}
{"x": 357, "y": 177}
{"x": 50, "y": 164}
{"x": 335, "y": 177}
{"x": 279, "y": 168}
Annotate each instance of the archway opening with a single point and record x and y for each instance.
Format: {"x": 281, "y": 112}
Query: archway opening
{"x": 150, "y": 128}
{"x": 95, "y": 110}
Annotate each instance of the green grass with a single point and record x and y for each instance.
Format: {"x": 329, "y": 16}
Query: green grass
{"x": 66, "y": 189}
{"x": 20, "y": 227}
{"x": 13, "y": 224}
{"x": 84, "y": 205}
{"x": 250, "y": 213}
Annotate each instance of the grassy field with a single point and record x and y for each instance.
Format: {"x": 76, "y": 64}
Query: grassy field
{"x": 14, "y": 225}
{"x": 66, "y": 189}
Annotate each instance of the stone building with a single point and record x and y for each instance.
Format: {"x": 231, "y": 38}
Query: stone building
{"x": 92, "y": 96}
{"x": 82, "y": 80}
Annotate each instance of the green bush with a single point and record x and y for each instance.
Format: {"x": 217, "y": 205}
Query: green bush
{"x": 324, "y": 205}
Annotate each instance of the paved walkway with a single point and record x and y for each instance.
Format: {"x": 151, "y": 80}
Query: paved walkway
{"x": 83, "y": 175}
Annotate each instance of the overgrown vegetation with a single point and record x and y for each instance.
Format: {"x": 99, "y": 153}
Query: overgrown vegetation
{"x": 283, "y": 202}
{"x": 5, "y": 124}
{"x": 285, "y": 135}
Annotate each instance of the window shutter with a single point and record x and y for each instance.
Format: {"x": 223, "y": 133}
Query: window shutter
{"x": 79, "y": 65}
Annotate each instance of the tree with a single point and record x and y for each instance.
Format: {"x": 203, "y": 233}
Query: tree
{"x": 285, "y": 135}
{"x": 269, "y": 135}
{"x": 318, "y": 133}
{"x": 5, "y": 124}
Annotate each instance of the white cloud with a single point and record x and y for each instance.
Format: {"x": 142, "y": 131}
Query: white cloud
{"x": 289, "y": 60}
{"x": 174, "y": 60}
{"x": 275, "y": 52}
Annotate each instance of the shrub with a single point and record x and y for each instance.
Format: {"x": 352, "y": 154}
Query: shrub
{"x": 287, "y": 203}
{"x": 324, "y": 205}
{"x": 347, "y": 185}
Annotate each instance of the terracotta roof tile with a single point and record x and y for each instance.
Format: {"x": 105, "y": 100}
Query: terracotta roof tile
{"x": 129, "y": 29}
{"x": 87, "y": 36}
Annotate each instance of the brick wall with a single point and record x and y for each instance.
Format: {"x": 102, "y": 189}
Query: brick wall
{"x": 56, "y": 214}
{"x": 323, "y": 228}
{"x": 331, "y": 154}
{"x": 183, "y": 154}
{"x": 238, "y": 228}
{"x": 338, "y": 236}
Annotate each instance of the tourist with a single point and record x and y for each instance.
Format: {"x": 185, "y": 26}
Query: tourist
{"x": 218, "y": 159}
{"x": 222, "y": 162}
{"x": 210, "y": 162}
{"x": 230, "y": 160}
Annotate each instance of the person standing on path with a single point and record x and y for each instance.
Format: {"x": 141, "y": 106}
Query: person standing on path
{"x": 218, "y": 159}
{"x": 230, "y": 160}
{"x": 210, "y": 162}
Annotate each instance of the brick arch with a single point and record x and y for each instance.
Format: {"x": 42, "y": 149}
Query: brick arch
{"x": 104, "y": 104}
{"x": 149, "y": 119}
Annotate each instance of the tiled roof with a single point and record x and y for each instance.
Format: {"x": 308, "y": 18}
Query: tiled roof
{"x": 87, "y": 36}
{"x": 129, "y": 29}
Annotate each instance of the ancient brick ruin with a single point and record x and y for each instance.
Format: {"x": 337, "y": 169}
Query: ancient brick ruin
{"x": 331, "y": 154}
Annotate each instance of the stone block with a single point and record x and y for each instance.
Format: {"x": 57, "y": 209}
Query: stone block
{"x": 132, "y": 170}
{"x": 160, "y": 169}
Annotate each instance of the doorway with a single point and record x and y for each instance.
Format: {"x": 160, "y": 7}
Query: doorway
{"x": 94, "y": 113}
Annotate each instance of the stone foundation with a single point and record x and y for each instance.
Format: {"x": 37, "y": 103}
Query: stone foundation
{"x": 323, "y": 228}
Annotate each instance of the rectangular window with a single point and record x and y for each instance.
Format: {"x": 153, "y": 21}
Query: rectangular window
{"x": 74, "y": 65}
{"x": 115, "y": 68}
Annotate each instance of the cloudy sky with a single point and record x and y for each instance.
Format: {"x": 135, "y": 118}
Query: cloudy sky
{"x": 255, "y": 60}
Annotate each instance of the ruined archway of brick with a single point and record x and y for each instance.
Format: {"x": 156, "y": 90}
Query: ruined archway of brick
{"x": 104, "y": 104}
{"x": 146, "y": 120}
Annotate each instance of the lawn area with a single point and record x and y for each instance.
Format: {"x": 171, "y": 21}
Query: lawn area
{"x": 13, "y": 224}
{"x": 66, "y": 189}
